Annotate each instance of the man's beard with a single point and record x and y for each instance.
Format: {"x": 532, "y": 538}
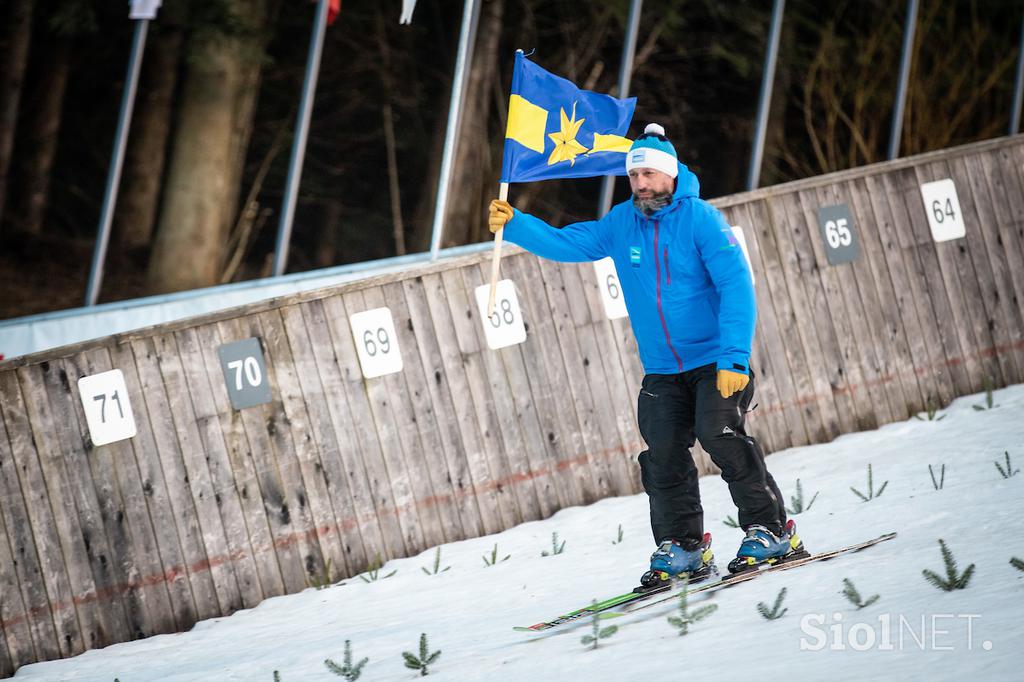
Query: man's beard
{"x": 653, "y": 203}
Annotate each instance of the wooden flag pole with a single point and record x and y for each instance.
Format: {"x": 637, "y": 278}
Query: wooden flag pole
{"x": 496, "y": 258}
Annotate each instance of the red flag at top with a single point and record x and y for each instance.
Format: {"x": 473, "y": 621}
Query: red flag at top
{"x": 333, "y": 9}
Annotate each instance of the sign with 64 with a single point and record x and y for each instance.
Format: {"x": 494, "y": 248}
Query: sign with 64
{"x": 943, "y": 209}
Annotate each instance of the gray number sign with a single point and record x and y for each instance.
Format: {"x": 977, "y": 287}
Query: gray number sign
{"x": 841, "y": 243}
{"x": 245, "y": 373}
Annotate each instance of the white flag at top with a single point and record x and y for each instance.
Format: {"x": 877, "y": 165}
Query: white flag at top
{"x": 407, "y": 7}
{"x": 144, "y": 9}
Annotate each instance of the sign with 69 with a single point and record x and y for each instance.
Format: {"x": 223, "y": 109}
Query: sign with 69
{"x": 505, "y": 327}
{"x": 376, "y": 342}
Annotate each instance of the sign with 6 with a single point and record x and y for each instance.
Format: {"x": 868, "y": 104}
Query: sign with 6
{"x": 611, "y": 292}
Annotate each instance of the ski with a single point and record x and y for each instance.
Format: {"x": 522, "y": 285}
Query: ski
{"x": 744, "y": 576}
{"x": 637, "y": 594}
{"x": 641, "y": 598}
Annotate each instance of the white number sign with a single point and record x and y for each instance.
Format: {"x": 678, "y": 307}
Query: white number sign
{"x": 943, "y": 209}
{"x": 611, "y": 291}
{"x": 741, "y": 238}
{"x": 505, "y": 327}
{"x": 108, "y": 411}
{"x": 376, "y": 342}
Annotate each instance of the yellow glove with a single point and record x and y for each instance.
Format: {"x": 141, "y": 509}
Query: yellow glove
{"x": 499, "y": 213}
{"x": 731, "y": 382}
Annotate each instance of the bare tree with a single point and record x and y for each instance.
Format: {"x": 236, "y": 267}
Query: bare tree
{"x": 151, "y": 126}
{"x": 215, "y": 121}
{"x": 19, "y": 27}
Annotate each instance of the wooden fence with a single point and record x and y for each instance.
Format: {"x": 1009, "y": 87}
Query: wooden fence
{"x": 208, "y": 509}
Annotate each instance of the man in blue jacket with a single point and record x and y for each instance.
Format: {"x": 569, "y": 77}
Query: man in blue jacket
{"x": 690, "y": 297}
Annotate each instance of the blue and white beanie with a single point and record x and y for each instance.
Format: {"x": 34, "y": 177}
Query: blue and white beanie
{"x": 653, "y": 150}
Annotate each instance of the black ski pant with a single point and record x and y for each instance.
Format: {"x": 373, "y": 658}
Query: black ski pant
{"x": 673, "y": 409}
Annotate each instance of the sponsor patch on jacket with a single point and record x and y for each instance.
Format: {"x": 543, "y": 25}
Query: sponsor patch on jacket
{"x": 634, "y": 256}
{"x": 731, "y": 237}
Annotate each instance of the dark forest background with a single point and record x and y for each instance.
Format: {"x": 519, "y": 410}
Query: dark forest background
{"x": 221, "y": 79}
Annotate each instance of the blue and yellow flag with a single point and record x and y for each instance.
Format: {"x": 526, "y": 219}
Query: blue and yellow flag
{"x": 556, "y": 130}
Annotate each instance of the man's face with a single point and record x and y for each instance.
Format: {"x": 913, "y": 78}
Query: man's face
{"x": 646, "y": 183}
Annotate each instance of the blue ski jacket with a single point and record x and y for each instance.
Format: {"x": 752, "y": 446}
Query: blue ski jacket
{"x": 687, "y": 286}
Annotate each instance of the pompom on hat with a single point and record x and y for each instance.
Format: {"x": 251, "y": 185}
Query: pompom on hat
{"x": 653, "y": 150}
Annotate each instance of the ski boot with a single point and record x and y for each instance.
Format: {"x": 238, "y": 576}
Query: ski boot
{"x": 673, "y": 560}
{"x": 761, "y": 546}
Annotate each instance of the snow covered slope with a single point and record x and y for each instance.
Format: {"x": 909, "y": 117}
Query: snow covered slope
{"x": 914, "y": 631}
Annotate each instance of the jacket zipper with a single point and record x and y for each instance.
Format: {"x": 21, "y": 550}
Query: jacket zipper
{"x": 668, "y": 270}
{"x": 661, "y": 312}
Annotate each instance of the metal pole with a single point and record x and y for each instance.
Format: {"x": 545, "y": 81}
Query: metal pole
{"x": 765, "y": 102}
{"x": 99, "y": 254}
{"x": 470, "y": 16}
{"x": 1018, "y": 85}
{"x": 625, "y": 75}
{"x": 291, "y": 191}
{"x": 901, "y": 92}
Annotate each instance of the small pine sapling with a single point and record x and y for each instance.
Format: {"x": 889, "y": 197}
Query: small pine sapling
{"x": 619, "y": 538}
{"x": 931, "y": 412}
{"x": 423, "y": 660}
{"x": 322, "y": 580}
{"x": 598, "y": 632}
{"x": 277, "y": 677}
{"x": 373, "y": 572}
{"x": 1009, "y": 470}
{"x": 798, "y": 500}
{"x": 437, "y": 565}
{"x": 731, "y": 522}
{"x": 1017, "y": 563}
{"x": 987, "y": 383}
{"x": 942, "y": 477}
{"x": 953, "y": 580}
{"x": 494, "y": 556}
{"x": 851, "y": 593}
{"x": 773, "y": 613}
{"x": 872, "y": 493}
{"x": 346, "y": 669}
{"x": 555, "y": 547}
{"x": 686, "y": 618}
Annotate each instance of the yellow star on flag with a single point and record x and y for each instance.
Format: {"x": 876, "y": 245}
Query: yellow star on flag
{"x": 566, "y": 146}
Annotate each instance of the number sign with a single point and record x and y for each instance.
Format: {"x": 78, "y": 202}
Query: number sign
{"x": 108, "y": 411}
{"x": 245, "y": 373}
{"x": 376, "y": 342}
{"x": 742, "y": 239}
{"x": 505, "y": 327}
{"x": 838, "y": 234}
{"x": 611, "y": 292}
{"x": 943, "y": 209}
